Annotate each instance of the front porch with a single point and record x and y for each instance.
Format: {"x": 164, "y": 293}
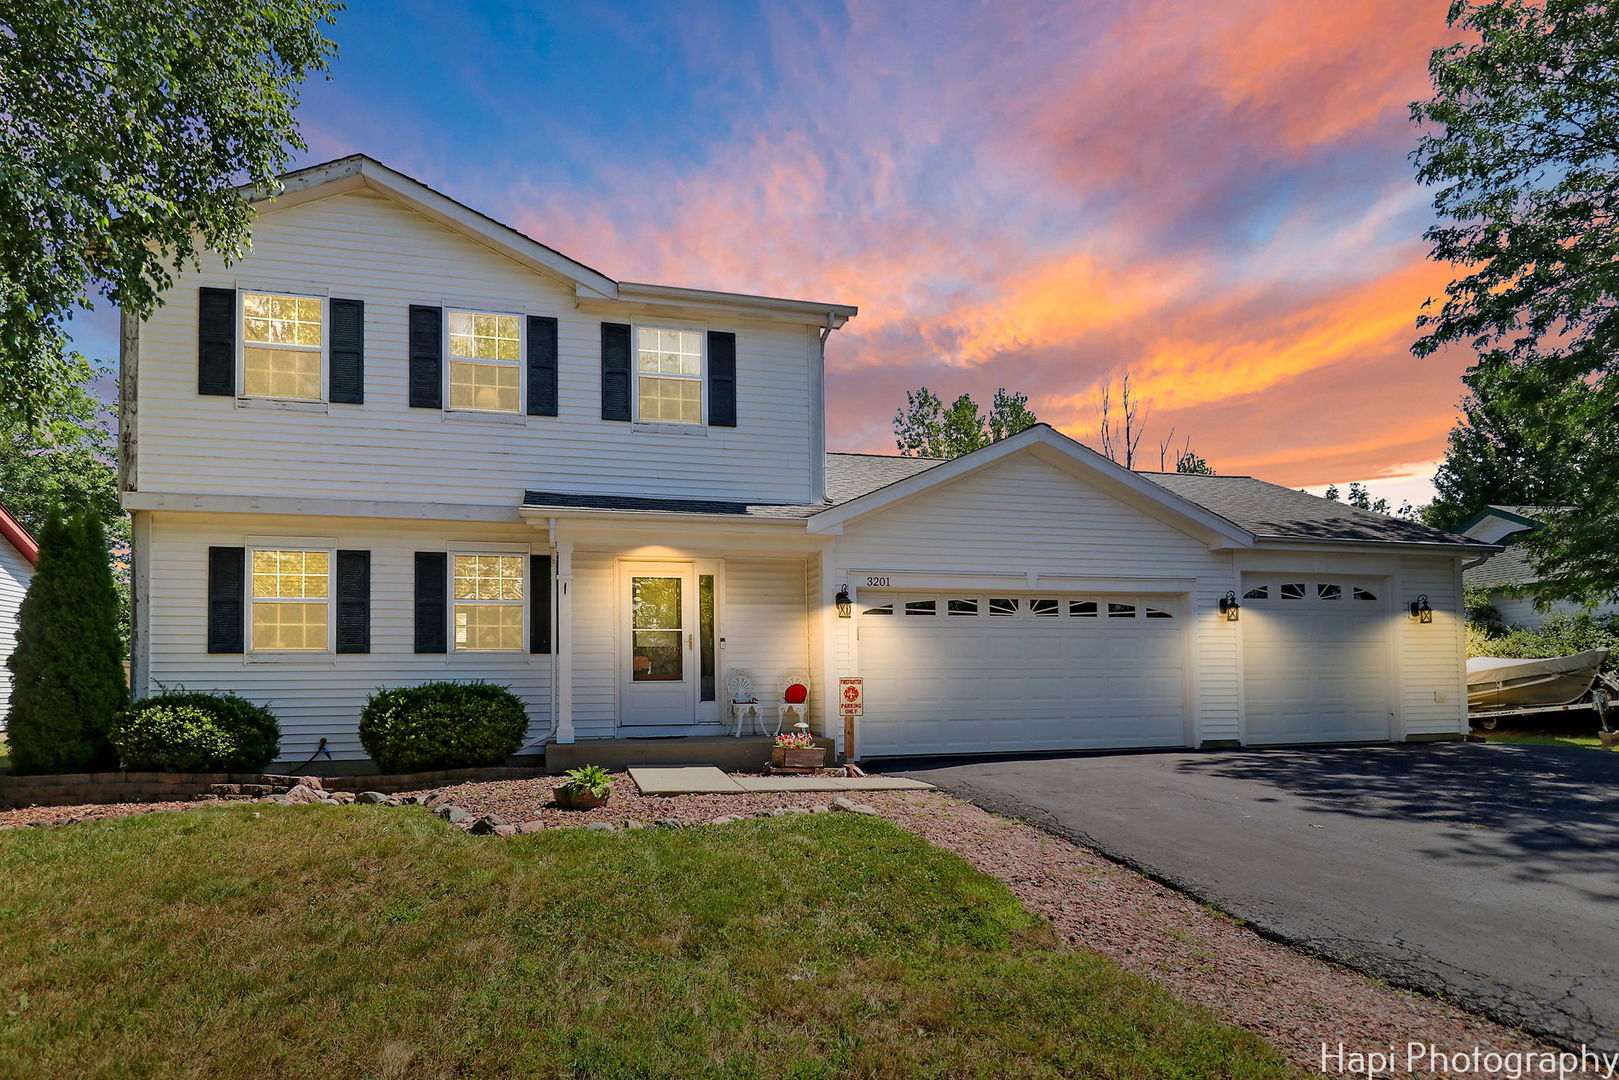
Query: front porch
{"x": 654, "y": 622}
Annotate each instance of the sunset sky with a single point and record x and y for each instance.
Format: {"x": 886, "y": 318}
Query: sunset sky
{"x": 1031, "y": 195}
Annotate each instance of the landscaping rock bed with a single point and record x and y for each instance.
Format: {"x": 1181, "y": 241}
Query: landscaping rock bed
{"x": 528, "y": 805}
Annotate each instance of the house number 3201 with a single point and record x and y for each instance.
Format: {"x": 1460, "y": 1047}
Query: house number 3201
{"x": 878, "y": 582}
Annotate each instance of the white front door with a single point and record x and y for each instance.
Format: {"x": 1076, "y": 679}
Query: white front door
{"x": 658, "y": 646}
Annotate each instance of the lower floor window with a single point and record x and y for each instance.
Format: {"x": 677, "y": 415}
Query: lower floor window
{"x": 489, "y": 603}
{"x": 290, "y": 601}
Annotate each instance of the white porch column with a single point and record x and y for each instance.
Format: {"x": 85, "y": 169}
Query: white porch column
{"x": 562, "y": 688}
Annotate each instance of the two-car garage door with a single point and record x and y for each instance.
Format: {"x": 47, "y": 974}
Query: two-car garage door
{"x": 975, "y": 673}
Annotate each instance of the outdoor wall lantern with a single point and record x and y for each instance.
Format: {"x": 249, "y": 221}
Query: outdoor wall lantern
{"x": 1420, "y": 609}
{"x": 845, "y": 604}
{"x": 1229, "y": 606}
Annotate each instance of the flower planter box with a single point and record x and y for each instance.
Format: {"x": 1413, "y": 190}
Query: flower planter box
{"x": 579, "y": 800}
{"x": 790, "y": 757}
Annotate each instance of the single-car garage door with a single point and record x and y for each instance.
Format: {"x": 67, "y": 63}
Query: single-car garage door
{"x": 1315, "y": 659}
{"x": 963, "y": 673}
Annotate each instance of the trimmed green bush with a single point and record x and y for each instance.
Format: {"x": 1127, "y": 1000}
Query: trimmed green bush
{"x": 254, "y": 732}
{"x": 68, "y": 668}
{"x": 172, "y": 738}
{"x": 1561, "y": 635}
{"x": 442, "y": 725}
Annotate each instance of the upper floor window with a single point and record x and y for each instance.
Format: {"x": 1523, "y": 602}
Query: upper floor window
{"x": 291, "y": 600}
{"x": 281, "y": 346}
{"x": 669, "y": 376}
{"x": 489, "y": 603}
{"x": 485, "y": 374}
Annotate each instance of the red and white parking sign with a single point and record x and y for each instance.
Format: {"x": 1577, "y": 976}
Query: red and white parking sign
{"x": 852, "y": 697}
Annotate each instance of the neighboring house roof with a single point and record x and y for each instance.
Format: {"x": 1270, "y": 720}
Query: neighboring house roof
{"x": 1503, "y": 570}
{"x": 1272, "y": 511}
{"x": 19, "y": 537}
{"x": 358, "y": 172}
{"x": 1256, "y": 508}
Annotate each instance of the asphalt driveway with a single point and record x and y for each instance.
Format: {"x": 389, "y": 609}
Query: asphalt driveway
{"x": 1486, "y": 873}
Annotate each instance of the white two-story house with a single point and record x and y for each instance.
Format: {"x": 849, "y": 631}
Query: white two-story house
{"x": 400, "y": 442}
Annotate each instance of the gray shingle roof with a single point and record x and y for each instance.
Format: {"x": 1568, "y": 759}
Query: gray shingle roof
{"x": 1263, "y": 509}
{"x": 1502, "y": 570}
{"x": 848, "y": 476}
{"x": 1270, "y": 510}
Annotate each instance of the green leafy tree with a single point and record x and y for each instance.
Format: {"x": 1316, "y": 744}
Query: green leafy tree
{"x": 125, "y": 128}
{"x": 1190, "y": 462}
{"x": 1521, "y": 143}
{"x": 68, "y": 667}
{"x": 926, "y": 427}
{"x": 67, "y": 462}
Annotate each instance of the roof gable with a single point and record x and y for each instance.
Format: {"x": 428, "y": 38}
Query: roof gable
{"x": 359, "y": 172}
{"x": 12, "y": 531}
{"x": 1055, "y": 448}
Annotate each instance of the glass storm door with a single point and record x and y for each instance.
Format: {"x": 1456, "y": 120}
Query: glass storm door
{"x": 658, "y": 667}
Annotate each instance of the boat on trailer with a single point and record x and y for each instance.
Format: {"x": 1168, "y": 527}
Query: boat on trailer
{"x": 1500, "y": 687}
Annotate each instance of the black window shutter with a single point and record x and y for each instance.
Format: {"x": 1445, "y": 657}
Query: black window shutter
{"x": 542, "y": 365}
{"x": 216, "y": 342}
{"x": 432, "y": 601}
{"x": 721, "y": 379}
{"x": 615, "y": 371}
{"x": 347, "y": 338}
{"x": 539, "y": 603}
{"x": 426, "y": 358}
{"x": 227, "y": 598}
{"x": 353, "y": 601}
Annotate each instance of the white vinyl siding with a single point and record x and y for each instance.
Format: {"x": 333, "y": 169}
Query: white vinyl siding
{"x": 15, "y": 574}
{"x": 367, "y": 247}
{"x": 1431, "y": 654}
{"x": 320, "y": 694}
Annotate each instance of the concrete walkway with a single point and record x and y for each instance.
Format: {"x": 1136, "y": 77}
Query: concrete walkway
{"x": 708, "y": 780}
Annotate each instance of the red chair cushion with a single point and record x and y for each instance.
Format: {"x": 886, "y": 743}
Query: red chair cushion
{"x": 795, "y": 694}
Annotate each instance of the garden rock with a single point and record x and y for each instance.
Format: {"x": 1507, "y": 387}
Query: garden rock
{"x": 453, "y": 814}
{"x": 669, "y": 823}
{"x": 342, "y": 797}
{"x": 795, "y": 810}
{"x": 723, "y": 819}
{"x": 484, "y": 826}
{"x": 311, "y": 782}
{"x": 439, "y": 798}
{"x": 534, "y": 826}
{"x": 864, "y": 808}
{"x": 601, "y": 826}
{"x": 371, "y": 797}
{"x": 635, "y": 823}
{"x": 505, "y": 830}
{"x": 302, "y": 795}
{"x": 843, "y": 802}
{"x": 820, "y": 808}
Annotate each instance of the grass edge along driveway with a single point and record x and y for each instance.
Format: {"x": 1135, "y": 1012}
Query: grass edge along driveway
{"x": 377, "y": 942}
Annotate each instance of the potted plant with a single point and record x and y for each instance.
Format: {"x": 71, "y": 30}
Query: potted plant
{"x": 584, "y": 788}
{"x": 797, "y": 750}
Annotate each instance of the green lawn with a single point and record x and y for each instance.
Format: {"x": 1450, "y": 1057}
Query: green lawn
{"x": 1541, "y": 738}
{"x": 378, "y": 942}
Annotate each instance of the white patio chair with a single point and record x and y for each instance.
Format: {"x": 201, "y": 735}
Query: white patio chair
{"x": 745, "y": 704}
{"x": 792, "y": 697}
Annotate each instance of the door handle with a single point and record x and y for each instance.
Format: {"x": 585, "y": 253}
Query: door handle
{"x": 688, "y": 641}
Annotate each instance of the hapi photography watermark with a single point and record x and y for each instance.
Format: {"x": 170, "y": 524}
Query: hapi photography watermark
{"x": 1428, "y": 1059}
